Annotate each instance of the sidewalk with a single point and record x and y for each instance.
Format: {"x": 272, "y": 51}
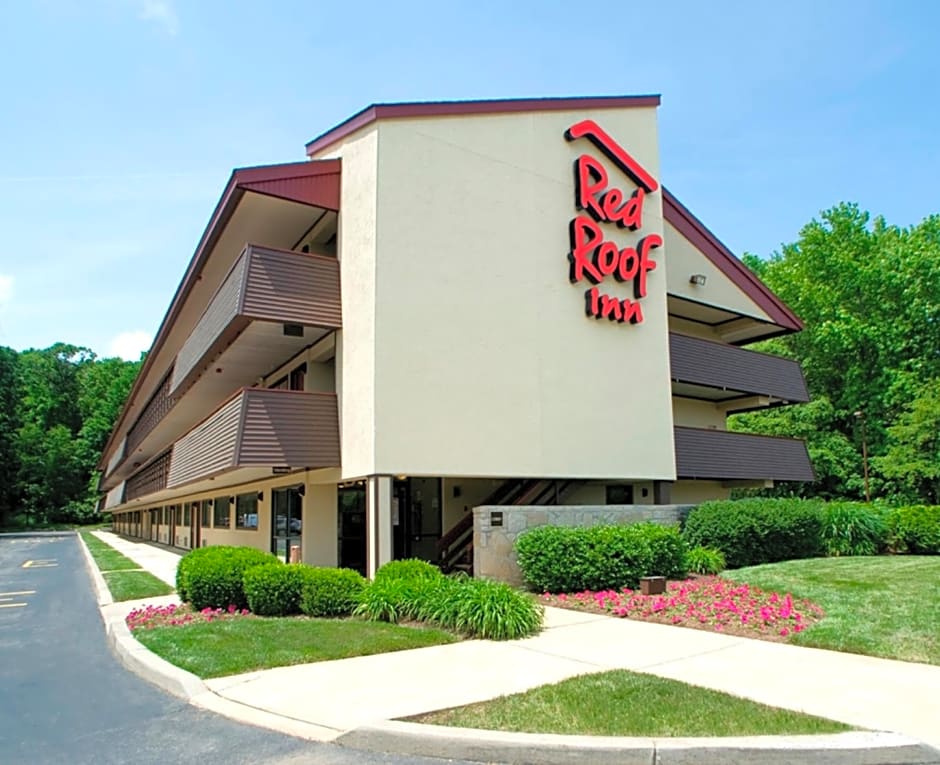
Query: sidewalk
{"x": 877, "y": 694}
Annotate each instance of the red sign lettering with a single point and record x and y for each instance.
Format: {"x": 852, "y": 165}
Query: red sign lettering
{"x": 592, "y": 256}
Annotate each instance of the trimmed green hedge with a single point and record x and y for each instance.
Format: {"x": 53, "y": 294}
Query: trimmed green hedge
{"x": 409, "y": 568}
{"x": 915, "y": 529}
{"x": 273, "y": 589}
{"x": 213, "y": 577}
{"x": 573, "y": 559}
{"x": 330, "y": 591}
{"x": 753, "y": 531}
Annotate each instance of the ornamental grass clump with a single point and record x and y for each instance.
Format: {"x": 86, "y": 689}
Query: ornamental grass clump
{"x": 474, "y": 607}
{"x": 852, "y": 528}
{"x": 710, "y": 603}
{"x": 705, "y": 560}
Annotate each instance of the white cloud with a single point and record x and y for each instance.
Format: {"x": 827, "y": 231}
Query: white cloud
{"x": 129, "y": 345}
{"x": 6, "y": 289}
{"x": 160, "y": 12}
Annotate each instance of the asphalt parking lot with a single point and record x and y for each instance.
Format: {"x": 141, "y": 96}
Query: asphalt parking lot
{"x": 64, "y": 698}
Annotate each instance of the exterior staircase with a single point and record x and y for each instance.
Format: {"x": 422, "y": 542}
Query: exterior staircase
{"x": 455, "y": 548}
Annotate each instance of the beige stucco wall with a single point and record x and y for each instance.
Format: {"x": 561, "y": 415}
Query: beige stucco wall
{"x": 693, "y": 492}
{"x": 485, "y": 363}
{"x": 684, "y": 259}
{"x": 355, "y": 342}
{"x": 690, "y": 413}
{"x": 319, "y": 537}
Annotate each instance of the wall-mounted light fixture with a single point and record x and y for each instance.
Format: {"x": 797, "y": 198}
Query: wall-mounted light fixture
{"x": 697, "y": 279}
{"x": 301, "y": 490}
{"x": 260, "y": 496}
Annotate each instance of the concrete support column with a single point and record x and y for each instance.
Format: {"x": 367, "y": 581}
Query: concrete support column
{"x": 662, "y": 492}
{"x": 379, "y": 522}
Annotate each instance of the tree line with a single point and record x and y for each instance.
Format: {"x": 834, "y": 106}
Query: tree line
{"x": 57, "y": 408}
{"x": 869, "y": 296}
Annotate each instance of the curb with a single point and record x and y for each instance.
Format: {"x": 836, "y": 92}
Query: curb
{"x": 854, "y": 748}
{"x": 102, "y": 593}
{"x": 132, "y": 654}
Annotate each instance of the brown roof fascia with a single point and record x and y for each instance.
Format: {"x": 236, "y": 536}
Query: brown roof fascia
{"x": 240, "y": 180}
{"x": 456, "y": 108}
{"x": 711, "y": 247}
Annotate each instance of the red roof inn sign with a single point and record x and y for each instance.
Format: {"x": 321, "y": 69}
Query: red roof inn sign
{"x": 592, "y": 256}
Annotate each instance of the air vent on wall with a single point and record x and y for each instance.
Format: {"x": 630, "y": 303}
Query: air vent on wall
{"x": 294, "y": 330}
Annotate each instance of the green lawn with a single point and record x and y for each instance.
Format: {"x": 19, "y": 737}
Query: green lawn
{"x": 106, "y": 557}
{"x": 240, "y": 645}
{"x": 621, "y": 703}
{"x": 886, "y": 606}
{"x": 135, "y": 585}
{"x": 124, "y": 578}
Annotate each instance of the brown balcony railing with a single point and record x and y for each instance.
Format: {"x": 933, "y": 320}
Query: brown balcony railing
{"x": 723, "y": 455}
{"x": 710, "y": 364}
{"x": 264, "y": 284}
{"x": 155, "y": 410}
{"x": 260, "y": 428}
{"x": 150, "y": 479}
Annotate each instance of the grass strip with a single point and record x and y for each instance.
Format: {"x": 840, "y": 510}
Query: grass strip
{"x": 241, "y": 645}
{"x": 887, "y": 606}
{"x": 622, "y": 703}
{"x": 105, "y": 556}
{"x": 135, "y": 585}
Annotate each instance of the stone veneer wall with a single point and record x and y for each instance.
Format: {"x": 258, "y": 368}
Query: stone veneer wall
{"x": 493, "y": 553}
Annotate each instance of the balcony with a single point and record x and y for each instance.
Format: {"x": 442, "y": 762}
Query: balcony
{"x": 724, "y": 456}
{"x": 737, "y": 379}
{"x": 259, "y": 428}
{"x": 274, "y": 302}
{"x": 271, "y": 305}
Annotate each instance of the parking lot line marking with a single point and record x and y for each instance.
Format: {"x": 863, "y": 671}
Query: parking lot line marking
{"x": 11, "y": 605}
{"x": 18, "y": 592}
{"x": 49, "y": 563}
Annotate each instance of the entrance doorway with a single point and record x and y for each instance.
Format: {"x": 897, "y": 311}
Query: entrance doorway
{"x": 286, "y": 521}
{"x": 416, "y": 517}
{"x": 351, "y": 526}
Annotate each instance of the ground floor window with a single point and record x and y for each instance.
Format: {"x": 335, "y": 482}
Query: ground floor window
{"x": 620, "y": 494}
{"x": 221, "y": 507}
{"x": 205, "y": 514}
{"x": 246, "y": 511}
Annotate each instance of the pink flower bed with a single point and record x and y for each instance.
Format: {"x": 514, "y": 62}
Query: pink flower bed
{"x": 710, "y": 603}
{"x": 177, "y": 615}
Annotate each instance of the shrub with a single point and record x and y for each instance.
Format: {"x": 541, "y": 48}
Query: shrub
{"x": 851, "y": 528}
{"x": 915, "y": 529}
{"x": 330, "y": 591}
{"x": 273, "y": 589}
{"x": 213, "y": 577}
{"x": 388, "y": 600}
{"x": 184, "y": 566}
{"x": 410, "y": 568}
{"x": 475, "y": 607}
{"x": 753, "y": 531}
{"x": 571, "y": 559}
{"x": 493, "y": 610}
{"x": 705, "y": 560}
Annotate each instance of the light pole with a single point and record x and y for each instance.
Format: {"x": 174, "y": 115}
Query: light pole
{"x": 860, "y": 416}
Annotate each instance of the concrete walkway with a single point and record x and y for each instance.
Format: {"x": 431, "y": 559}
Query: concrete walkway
{"x": 339, "y": 696}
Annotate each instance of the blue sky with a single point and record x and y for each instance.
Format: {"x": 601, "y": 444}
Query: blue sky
{"x": 122, "y": 119}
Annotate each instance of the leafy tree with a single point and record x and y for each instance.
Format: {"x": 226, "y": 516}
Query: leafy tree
{"x": 869, "y": 295}
{"x": 9, "y": 424}
{"x": 911, "y": 464}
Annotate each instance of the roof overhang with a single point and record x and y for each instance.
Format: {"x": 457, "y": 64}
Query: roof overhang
{"x": 376, "y": 112}
{"x": 736, "y": 329}
{"x": 300, "y": 192}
